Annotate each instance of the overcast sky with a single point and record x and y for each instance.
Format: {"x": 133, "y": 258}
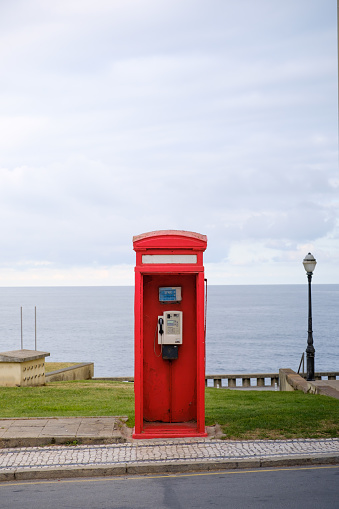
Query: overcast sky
{"x": 120, "y": 117}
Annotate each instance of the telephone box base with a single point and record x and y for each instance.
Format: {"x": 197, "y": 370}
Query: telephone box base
{"x": 169, "y": 430}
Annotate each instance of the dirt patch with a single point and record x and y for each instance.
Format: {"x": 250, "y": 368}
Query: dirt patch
{"x": 215, "y": 431}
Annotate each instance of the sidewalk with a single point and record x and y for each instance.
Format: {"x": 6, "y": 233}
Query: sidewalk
{"x": 42, "y": 431}
{"x": 110, "y": 451}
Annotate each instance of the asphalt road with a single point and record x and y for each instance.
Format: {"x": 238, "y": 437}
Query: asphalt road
{"x": 297, "y": 487}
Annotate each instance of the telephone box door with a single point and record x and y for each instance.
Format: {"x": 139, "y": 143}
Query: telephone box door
{"x": 169, "y": 387}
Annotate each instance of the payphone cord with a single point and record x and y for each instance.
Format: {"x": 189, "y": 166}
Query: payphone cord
{"x": 161, "y": 332}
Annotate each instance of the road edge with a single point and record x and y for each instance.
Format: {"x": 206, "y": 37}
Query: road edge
{"x": 170, "y": 467}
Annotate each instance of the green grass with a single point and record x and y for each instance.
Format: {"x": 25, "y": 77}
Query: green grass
{"x": 241, "y": 414}
{"x": 60, "y": 399}
{"x": 272, "y": 415}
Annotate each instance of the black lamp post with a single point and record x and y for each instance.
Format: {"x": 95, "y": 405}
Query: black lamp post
{"x": 309, "y": 265}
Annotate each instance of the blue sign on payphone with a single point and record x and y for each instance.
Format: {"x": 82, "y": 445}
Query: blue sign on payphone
{"x": 170, "y": 294}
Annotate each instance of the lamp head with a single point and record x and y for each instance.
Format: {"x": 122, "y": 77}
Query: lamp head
{"x": 309, "y": 263}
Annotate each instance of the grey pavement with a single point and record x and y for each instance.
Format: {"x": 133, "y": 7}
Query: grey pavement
{"x": 107, "y": 449}
{"x": 61, "y": 430}
{"x": 325, "y": 387}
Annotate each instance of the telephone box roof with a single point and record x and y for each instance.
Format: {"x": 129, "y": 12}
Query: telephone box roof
{"x": 170, "y": 239}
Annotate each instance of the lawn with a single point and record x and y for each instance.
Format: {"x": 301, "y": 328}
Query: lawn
{"x": 241, "y": 414}
{"x": 272, "y": 415}
{"x": 75, "y": 398}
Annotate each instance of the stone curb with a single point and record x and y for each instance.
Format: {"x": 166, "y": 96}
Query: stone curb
{"x": 8, "y": 443}
{"x": 170, "y": 467}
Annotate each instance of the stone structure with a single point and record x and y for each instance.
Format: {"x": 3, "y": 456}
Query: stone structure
{"x": 22, "y": 368}
{"x": 83, "y": 371}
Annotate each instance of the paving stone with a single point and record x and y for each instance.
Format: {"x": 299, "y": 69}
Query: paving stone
{"x": 146, "y": 456}
{"x": 161, "y": 453}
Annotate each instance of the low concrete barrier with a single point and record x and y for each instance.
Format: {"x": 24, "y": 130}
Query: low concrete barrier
{"x": 262, "y": 379}
{"x": 84, "y": 371}
{"x": 222, "y": 381}
{"x": 289, "y": 380}
{"x": 246, "y": 380}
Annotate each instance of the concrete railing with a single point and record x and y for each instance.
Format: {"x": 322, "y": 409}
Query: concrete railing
{"x": 323, "y": 375}
{"x": 243, "y": 380}
{"x": 233, "y": 381}
{"x": 259, "y": 379}
{"x": 246, "y": 380}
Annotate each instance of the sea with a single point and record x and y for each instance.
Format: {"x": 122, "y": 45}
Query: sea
{"x": 249, "y": 329}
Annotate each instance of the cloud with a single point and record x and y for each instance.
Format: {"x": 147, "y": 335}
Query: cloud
{"x": 121, "y": 117}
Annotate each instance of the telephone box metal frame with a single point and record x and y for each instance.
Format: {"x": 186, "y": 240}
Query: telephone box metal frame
{"x": 160, "y": 255}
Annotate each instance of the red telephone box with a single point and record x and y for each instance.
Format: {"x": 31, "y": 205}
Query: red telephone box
{"x": 169, "y": 371}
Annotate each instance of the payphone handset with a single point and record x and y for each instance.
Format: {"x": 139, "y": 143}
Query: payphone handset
{"x": 170, "y": 328}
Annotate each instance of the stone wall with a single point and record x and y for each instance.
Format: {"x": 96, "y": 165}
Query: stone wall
{"x": 83, "y": 371}
{"x": 289, "y": 380}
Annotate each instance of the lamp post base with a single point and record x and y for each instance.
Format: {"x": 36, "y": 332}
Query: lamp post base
{"x": 310, "y": 363}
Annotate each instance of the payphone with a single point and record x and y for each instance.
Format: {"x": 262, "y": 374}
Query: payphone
{"x": 170, "y": 334}
{"x": 170, "y": 324}
{"x": 170, "y": 328}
